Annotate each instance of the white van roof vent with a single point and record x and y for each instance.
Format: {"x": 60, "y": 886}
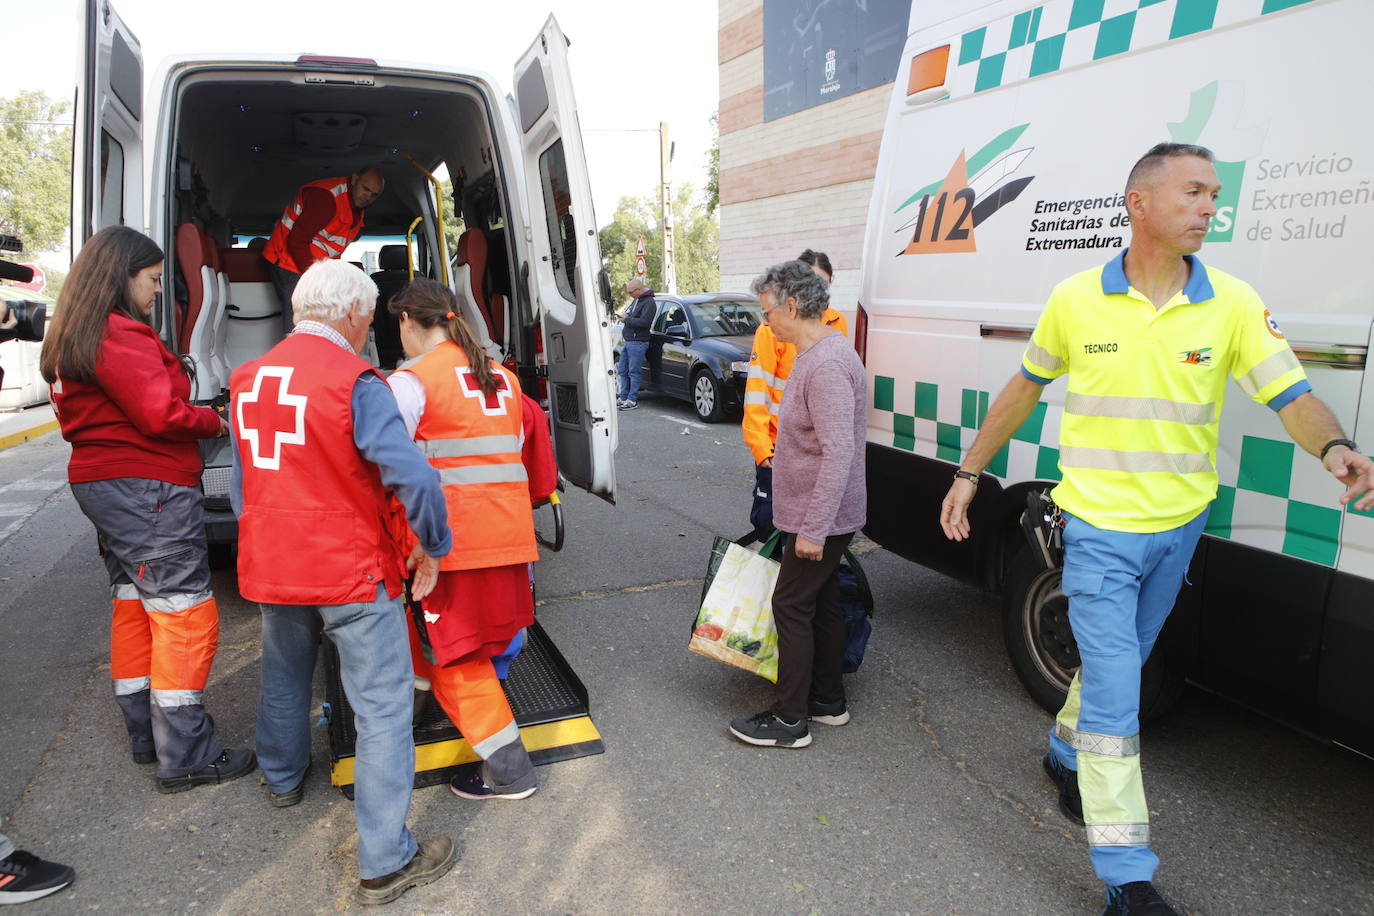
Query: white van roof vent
{"x": 330, "y": 131}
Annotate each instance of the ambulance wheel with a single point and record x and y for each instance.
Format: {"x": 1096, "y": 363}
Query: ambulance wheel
{"x": 707, "y": 397}
{"x": 1039, "y": 638}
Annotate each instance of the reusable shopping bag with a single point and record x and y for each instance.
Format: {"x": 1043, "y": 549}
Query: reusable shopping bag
{"x": 734, "y": 623}
{"x": 856, "y": 603}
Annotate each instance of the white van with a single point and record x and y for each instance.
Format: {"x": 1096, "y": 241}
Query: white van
{"x": 238, "y": 134}
{"x": 1010, "y": 132}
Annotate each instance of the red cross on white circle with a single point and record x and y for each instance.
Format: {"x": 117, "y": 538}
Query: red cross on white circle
{"x": 269, "y": 416}
{"x": 494, "y": 404}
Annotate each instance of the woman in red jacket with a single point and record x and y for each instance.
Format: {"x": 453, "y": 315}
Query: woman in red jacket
{"x": 466, "y": 414}
{"x": 123, "y": 400}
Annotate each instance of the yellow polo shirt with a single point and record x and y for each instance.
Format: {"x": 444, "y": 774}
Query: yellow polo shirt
{"x": 1138, "y": 439}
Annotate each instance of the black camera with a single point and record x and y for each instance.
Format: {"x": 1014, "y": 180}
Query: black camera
{"x": 29, "y": 317}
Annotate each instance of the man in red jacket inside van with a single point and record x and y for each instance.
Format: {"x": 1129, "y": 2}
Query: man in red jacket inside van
{"x": 323, "y": 219}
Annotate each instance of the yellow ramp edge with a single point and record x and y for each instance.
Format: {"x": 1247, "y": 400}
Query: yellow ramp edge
{"x": 24, "y": 435}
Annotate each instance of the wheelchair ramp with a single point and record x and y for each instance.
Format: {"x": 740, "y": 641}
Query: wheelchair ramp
{"x": 546, "y": 695}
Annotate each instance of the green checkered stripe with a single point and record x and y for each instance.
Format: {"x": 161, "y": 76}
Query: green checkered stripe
{"x": 1066, "y": 33}
{"x": 1274, "y": 498}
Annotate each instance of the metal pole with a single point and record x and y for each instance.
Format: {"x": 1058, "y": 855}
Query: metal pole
{"x": 665, "y": 160}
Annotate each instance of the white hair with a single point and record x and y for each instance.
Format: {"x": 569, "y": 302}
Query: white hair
{"x": 328, "y": 289}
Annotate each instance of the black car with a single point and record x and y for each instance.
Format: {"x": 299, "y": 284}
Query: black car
{"x": 699, "y": 350}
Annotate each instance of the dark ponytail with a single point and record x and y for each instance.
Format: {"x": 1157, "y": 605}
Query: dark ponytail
{"x": 429, "y": 304}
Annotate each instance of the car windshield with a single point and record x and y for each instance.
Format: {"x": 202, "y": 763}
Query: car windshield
{"x": 726, "y": 317}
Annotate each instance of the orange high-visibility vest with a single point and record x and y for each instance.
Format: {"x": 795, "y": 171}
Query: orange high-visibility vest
{"x": 769, "y": 368}
{"x": 473, "y": 440}
{"x": 330, "y": 241}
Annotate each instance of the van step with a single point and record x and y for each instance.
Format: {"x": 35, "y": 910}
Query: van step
{"x": 546, "y": 695}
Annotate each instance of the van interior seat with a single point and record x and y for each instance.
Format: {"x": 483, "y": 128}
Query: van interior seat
{"x": 202, "y": 299}
{"x": 391, "y": 279}
{"x": 472, "y": 253}
{"x": 253, "y": 325}
{"x": 219, "y": 324}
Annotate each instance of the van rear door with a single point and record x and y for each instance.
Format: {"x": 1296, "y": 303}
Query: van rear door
{"x": 107, "y": 138}
{"x": 566, "y": 256}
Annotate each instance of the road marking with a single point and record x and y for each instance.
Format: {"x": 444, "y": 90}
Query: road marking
{"x": 683, "y": 422}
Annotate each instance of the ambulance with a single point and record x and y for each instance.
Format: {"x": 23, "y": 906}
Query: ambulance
{"x": 237, "y": 134}
{"x": 1009, "y": 135}
{"x": 208, "y": 164}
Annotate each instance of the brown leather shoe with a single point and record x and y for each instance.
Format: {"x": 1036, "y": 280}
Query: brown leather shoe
{"x": 432, "y": 861}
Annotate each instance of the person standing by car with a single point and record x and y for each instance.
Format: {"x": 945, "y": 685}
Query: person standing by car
{"x": 318, "y": 443}
{"x": 819, "y": 502}
{"x": 769, "y": 367}
{"x": 466, "y": 413}
{"x": 323, "y": 219}
{"x": 639, "y": 316}
{"x": 1148, "y": 341}
{"x": 123, "y": 402}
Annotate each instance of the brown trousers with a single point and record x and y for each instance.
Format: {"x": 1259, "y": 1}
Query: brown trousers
{"x": 811, "y": 635}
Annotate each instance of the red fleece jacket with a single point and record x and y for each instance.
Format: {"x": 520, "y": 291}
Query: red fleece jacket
{"x": 135, "y": 419}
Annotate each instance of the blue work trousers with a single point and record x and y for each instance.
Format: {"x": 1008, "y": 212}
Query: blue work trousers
{"x": 1121, "y": 587}
{"x": 630, "y": 368}
{"x": 374, "y": 664}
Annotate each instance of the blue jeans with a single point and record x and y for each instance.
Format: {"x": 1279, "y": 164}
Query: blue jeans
{"x": 374, "y": 663}
{"x": 629, "y": 368}
{"x": 1121, "y": 588}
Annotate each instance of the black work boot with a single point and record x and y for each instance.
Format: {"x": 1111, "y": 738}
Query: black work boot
{"x": 1070, "y": 802}
{"x": 1138, "y": 898}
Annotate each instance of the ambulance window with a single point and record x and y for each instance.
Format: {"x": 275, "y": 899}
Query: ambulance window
{"x": 111, "y": 181}
{"x": 126, "y": 76}
{"x": 553, "y": 176}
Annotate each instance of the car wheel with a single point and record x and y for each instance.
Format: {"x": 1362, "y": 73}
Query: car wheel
{"x": 1043, "y": 651}
{"x": 708, "y": 397}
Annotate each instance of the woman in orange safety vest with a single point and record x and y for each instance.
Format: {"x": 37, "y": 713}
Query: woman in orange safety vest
{"x": 465, "y": 412}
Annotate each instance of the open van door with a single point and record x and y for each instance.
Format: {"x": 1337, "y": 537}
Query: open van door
{"x": 565, "y": 263}
{"x": 107, "y": 136}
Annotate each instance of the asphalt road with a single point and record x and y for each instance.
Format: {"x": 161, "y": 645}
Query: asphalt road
{"x": 931, "y": 801}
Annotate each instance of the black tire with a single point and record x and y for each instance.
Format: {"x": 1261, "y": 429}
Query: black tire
{"x": 220, "y": 556}
{"x": 1039, "y": 638}
{"x": 708, "y": 397}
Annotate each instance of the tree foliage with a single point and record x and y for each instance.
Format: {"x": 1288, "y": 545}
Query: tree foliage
{"x": 713, "y": 168}
{"x": 35, "y": 170}
{"x": 696, "y": 238}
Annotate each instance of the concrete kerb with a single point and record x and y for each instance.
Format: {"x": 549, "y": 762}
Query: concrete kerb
{"x": 20, "y": 427}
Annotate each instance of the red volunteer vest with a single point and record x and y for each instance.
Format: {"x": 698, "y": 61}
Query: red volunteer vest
{"x": 473, "y": 440}
{"x": 330, "y": 241}
{"x": 315, "y": 526}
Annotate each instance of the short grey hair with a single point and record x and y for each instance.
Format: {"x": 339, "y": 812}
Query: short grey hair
{"x": 1148, "y": 164}
{"x": 794, "y": 280}
{"x": 328, "y": 289}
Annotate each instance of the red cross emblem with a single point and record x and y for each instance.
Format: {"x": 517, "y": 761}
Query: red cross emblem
{"x": 269, "y": 416}
{"x": 494, "y": 404}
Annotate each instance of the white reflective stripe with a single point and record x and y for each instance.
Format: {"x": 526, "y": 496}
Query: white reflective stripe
{"x": 124, "y": 592}
{"x": 1121, "y": 408}
{"x": 775, "y": 407}
{"x": 757, "y": 397}
{"x": 488, "y": 746}
{"x": 1118, "y": 834}
{"x": 1039, "y": 356}
{"x": 1107, "y": 459}
{"x": 339, "y": 240}
{"x": 1101, "y": 745}
{"x": 174, "y": 604}
{"x": 123, "y": 686}
{"x": 328, "y": 252}
{"x": 484, "y": 473}
{"x": 1268, "y": 372}
{"x": 769, "y": 379}
{"x": 171, "y": 698}
{"x": 338, "y": 189}
{"x": 468, "y": 447}
{"x": 288, "y": 221}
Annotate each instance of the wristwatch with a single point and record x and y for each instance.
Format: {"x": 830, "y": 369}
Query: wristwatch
{"x": 967, "y": 475}
{"x": 1335, "y": 442}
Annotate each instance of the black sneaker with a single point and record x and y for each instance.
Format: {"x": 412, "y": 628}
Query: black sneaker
{"x": 432, "y": 861}
{"x": 1138, "y": 898}
{"x": 143, "y": 758}
{"x": 767, "y": 730}
{"x": 468, "y": 783}
{"x": 836, "y": 713}
{"x": 25, "y": 877}
{"x": 291, "y": 796}
{"x": 1070, "y": 802}
{"x": 230, "y": 764}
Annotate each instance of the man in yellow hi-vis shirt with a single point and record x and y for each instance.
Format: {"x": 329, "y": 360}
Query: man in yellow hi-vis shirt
{"x": 1147, "y": 341}
{"x": 769, "y": 367}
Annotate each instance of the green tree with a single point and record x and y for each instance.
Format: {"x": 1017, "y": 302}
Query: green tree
{"x": 453, "y": 223}
{"x": 35, "y": 170}
{"x": 696, "y": 236}
{"x": 713, "y": 168}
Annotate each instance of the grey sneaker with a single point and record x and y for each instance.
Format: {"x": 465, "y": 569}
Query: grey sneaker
{"x": 836, "y": 713}
{"x": 432, "y": 861}
{"x": 628, "y": 405}
{"x": 767, "y": 730}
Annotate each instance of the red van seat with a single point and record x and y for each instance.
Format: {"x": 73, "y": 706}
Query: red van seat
{"x": 244, "y": 265}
